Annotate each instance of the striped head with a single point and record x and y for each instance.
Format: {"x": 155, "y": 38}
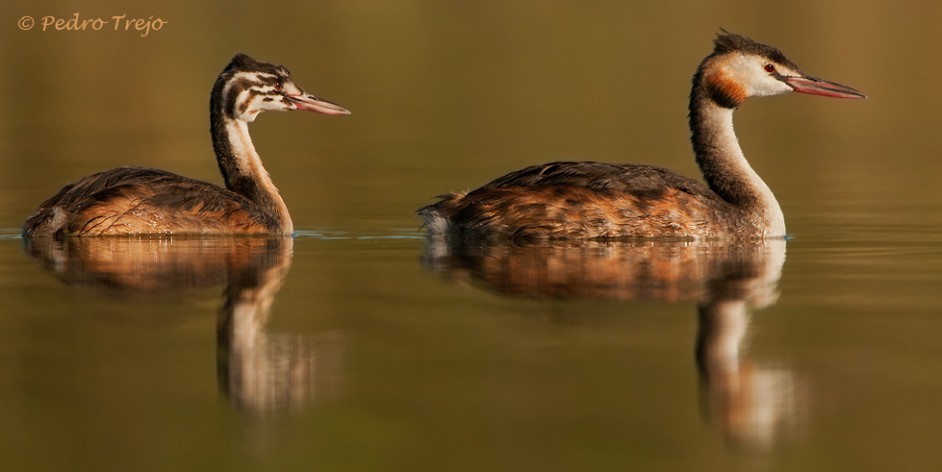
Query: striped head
{"x": 247, "y": 87}
{"x": 740, "y": 68}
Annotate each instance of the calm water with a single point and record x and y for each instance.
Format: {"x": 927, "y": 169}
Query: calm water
{"x": 358, "y": 346}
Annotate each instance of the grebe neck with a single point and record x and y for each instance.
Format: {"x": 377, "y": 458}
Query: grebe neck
{"x": 724, "y": 166}
{"x": 242, "y": 170}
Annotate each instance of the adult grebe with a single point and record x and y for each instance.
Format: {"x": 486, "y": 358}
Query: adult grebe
{"x": 592, "y": 200}
{"x": 135, "y": 200}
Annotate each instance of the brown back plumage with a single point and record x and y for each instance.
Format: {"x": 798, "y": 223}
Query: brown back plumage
{"x": 580, "y": 200}
{"x": 135, "y": 200}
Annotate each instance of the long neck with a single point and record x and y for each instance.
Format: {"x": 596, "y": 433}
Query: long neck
{"x": 724, "y": 165}
{"x": 243, "y": 172}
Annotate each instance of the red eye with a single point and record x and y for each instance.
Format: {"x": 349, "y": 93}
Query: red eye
{"x": 769, "y": 68}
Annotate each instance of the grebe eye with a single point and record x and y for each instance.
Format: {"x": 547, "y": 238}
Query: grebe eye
{"x": 769, "y": 68}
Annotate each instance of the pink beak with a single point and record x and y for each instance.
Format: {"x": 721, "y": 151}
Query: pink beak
{"x": 312, "y": 103}
{"x": 813, "y": 86}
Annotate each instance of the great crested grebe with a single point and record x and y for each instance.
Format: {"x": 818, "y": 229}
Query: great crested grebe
{"x": 136, "y": 200}
{"x": 593, "y": 200}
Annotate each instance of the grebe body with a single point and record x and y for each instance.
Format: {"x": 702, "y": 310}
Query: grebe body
{"x": 136, "y": 200}
{"x": 592, "y": 200}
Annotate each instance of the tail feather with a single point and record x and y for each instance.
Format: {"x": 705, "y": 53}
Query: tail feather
{"x": 46, "y": 222}
{"x": 437, "y": 216}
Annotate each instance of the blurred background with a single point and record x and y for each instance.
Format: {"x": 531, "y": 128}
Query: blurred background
{"x": 440, "y": 373}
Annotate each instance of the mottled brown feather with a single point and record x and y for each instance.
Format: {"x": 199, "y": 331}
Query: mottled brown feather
{"x": 135, "y": 200}
{"x": 585, "y": 200}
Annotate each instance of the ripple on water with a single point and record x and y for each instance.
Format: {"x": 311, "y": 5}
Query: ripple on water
{"x": 9, "y": 233}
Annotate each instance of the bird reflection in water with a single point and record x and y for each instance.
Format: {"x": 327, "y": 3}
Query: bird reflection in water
{"x": 257, "y": 371}
{"x": 753, "y": 404}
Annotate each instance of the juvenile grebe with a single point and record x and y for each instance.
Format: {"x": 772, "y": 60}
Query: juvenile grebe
{"x": 135, "y": 200}
{"x": 592, "y": 200}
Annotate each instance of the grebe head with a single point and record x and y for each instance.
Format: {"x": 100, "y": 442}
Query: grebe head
{"x": 248, "y": 87}
{"x": 740, "y": 68}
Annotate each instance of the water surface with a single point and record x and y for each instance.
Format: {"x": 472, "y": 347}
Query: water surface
{"x": 373, "y": 352}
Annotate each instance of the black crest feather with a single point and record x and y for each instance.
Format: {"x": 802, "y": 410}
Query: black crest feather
{"x": 727, "y": 42}
{"x": 243, "y": 63}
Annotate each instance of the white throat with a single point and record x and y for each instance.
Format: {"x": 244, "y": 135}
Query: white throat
{"x": 250, "y": 164}
{"x": 717, "y": 128}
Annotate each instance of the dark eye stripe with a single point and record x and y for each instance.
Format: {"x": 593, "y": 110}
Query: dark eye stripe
{"x": 233, "y": 108}
{"x": 276, "y": 81}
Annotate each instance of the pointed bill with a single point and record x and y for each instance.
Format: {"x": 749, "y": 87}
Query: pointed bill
{"x": 312, "y": 103}
{"x": 815, "y": 86}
